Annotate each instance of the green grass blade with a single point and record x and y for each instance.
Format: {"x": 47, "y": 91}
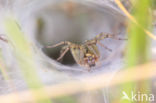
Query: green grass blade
{"x": 137, "y": 52}
{"x": 24, "y": 55}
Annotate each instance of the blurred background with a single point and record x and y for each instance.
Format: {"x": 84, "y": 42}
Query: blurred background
{"x": 30, "y": 73}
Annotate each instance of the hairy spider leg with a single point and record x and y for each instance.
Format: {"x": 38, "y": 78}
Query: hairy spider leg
{"x": 63, "y": 53}
{"x": 96, "y": 41}
{"x": 102, "y": 36}
{"x": 104, "y": 46}
{"x": 58, "y": 44}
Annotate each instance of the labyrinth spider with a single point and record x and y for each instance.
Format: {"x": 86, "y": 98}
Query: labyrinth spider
{"x": 87, "y": 53}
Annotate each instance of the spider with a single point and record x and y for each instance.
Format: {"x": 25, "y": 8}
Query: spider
{"x": 87, "y": 53}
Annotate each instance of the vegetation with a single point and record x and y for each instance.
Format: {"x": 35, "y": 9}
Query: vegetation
{"x": 137, "y": 56}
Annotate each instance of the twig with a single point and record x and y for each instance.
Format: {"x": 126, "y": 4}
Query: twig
{"x": 137, "y": 73}
{"x": 133, "y": 19}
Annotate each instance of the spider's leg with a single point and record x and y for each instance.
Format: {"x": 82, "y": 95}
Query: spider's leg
{"x": 63, "y": 53}
{"x": 102, "y": 36}
{"x": 104, "y": 46}
{"x": 117, "y": 38}
{"x": 58, "y": 44}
